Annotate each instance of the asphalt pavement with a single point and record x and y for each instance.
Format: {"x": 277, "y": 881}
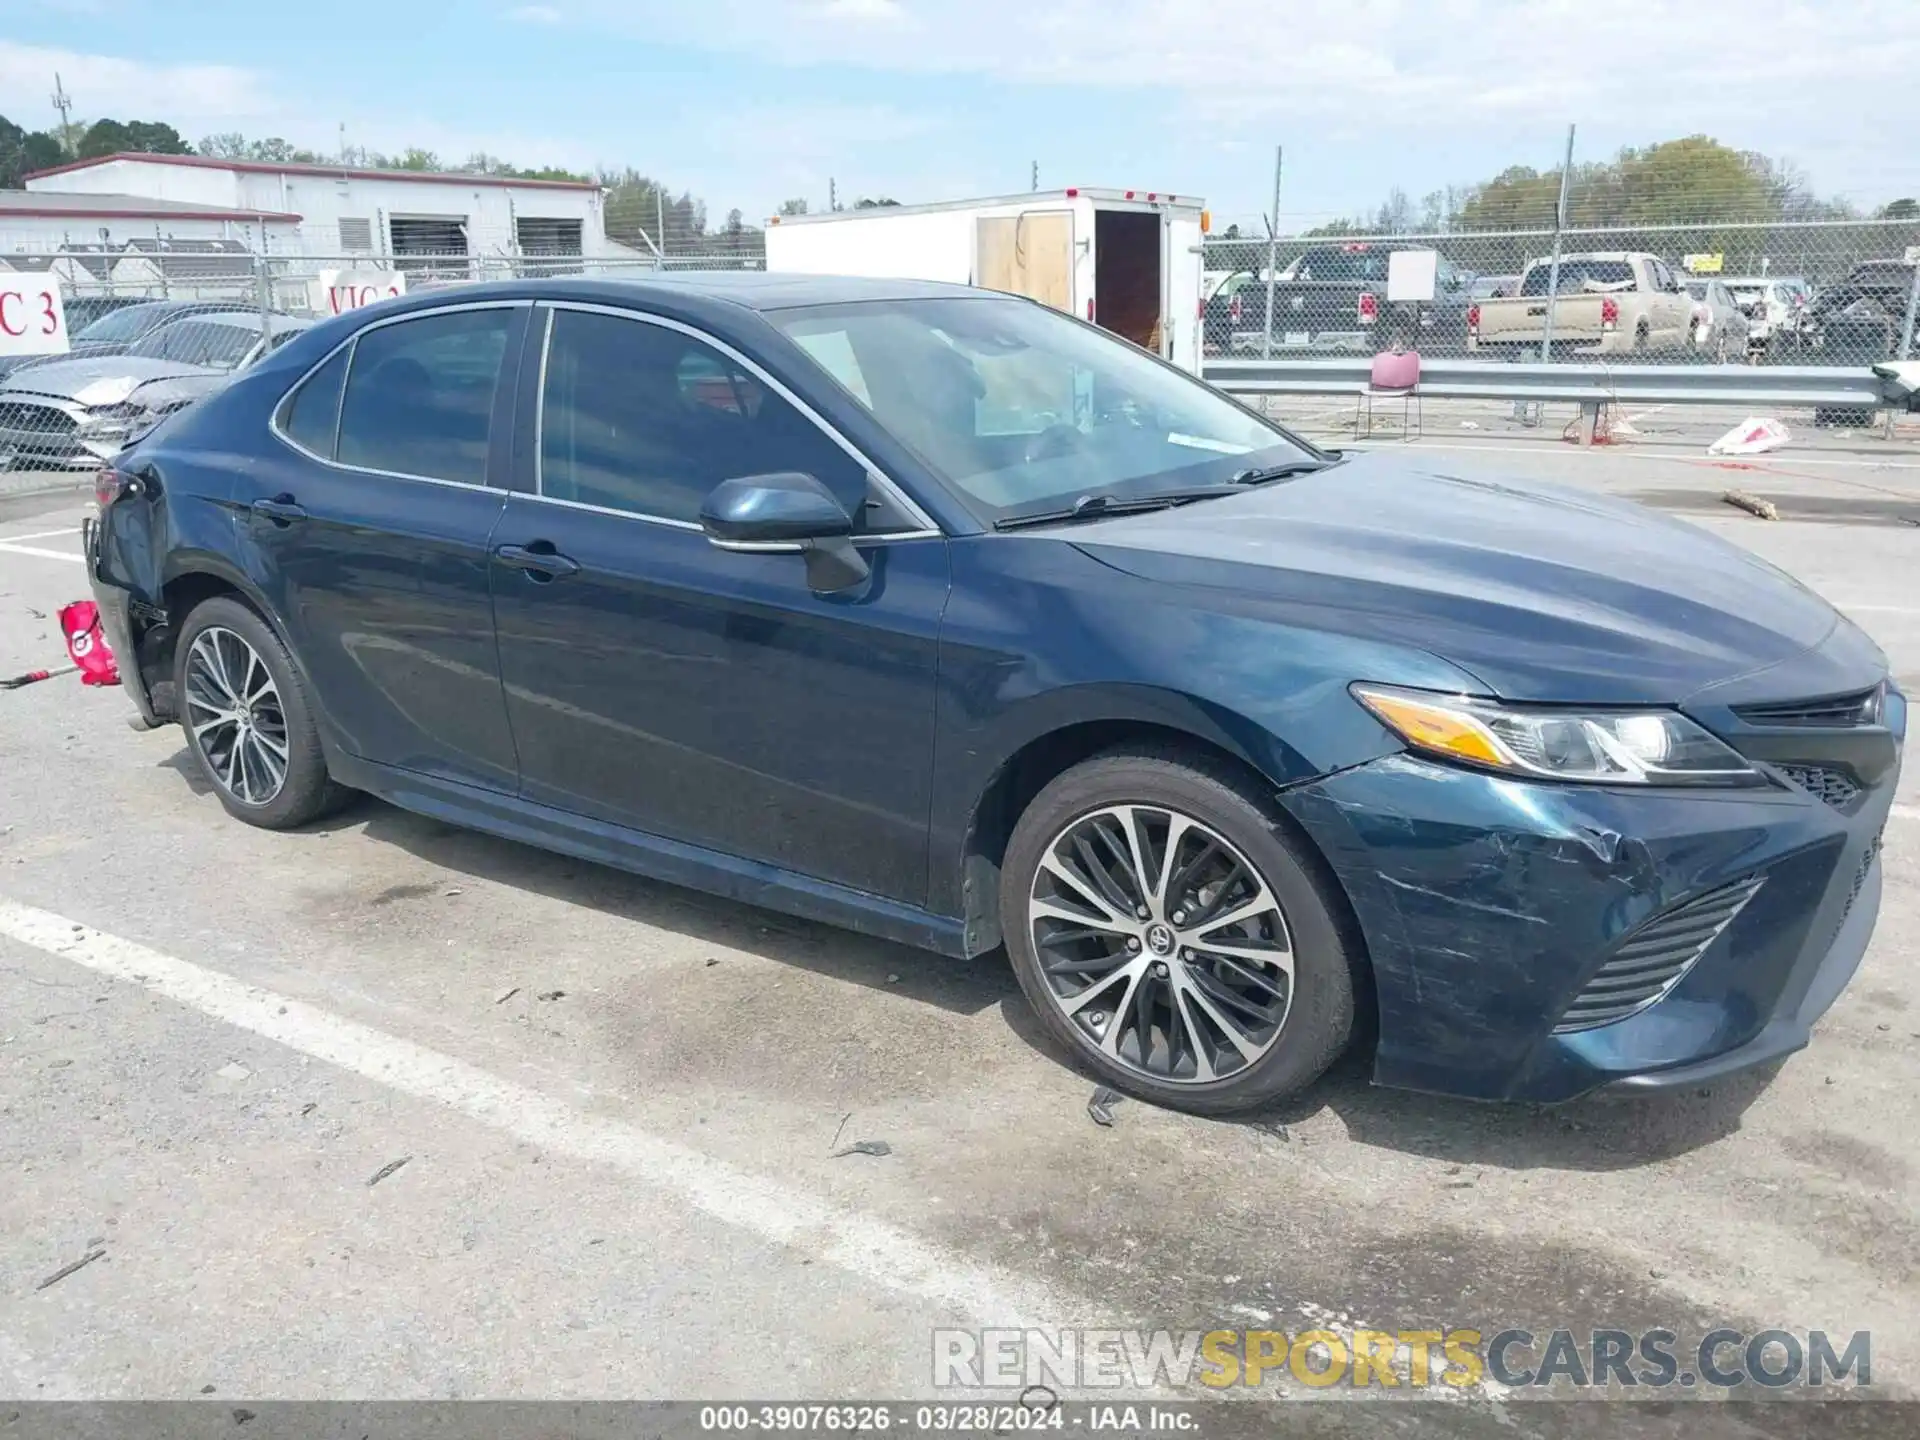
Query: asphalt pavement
{"x": 385, "y": 1109}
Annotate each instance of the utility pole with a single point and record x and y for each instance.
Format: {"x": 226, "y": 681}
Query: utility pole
{"x": 660, "y": 215}
{"x": 1036, "y": 176}
{"x": 1273, "y": 250}
{"x": 63, "y": 102}
{"x": 833, "y": 195}
{"x": 1553, "y": 274}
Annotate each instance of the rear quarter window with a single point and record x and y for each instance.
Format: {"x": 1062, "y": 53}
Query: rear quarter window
{"x": 311, "y": 418}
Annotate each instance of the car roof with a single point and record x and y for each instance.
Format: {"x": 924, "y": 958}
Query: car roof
{"x": 243, "y": 320}
{"x": 749, "y": 289}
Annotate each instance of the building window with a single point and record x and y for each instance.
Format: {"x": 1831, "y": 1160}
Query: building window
{"x": 538, "y": 236}
{"x": 421, "y": 245}
{"x": 356, "y": 234}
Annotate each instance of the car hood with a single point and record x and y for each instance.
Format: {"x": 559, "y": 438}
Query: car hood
{"x": 1544, "y": 593}
{"x": 105, "y": 379}
{"x": 9, "y": 364}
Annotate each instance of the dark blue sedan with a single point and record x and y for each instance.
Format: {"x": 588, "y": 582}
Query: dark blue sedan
{"x": 943, "y": 616}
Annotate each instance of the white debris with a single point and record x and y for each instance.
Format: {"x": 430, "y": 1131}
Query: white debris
{"x": 233, "y": 1070}
{"x": 1755, "y": 435}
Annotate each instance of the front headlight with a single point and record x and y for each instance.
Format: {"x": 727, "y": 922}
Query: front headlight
{"x": 1606, "y": 747}
{"x": 107, "y": 421}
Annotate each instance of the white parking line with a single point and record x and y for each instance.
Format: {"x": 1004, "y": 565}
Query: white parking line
{"x": 71, "y": 531}
{"x": 1876, "y": 609}
{"x": 870, "y": 1249}
{"x": 8, "y": 548}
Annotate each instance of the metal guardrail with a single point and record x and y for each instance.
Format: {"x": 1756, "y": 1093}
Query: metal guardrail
{"x": 1591, "y": 386}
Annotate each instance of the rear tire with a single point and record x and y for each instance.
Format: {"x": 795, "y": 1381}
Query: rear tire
{"x": 1177, "y": 1006}
{"x": 247, "y": 718}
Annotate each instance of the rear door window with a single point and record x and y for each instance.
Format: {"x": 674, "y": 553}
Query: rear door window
{"x": 419, "y": 395}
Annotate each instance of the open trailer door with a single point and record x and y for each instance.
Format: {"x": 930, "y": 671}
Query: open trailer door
{"x": 1029, "y": 254}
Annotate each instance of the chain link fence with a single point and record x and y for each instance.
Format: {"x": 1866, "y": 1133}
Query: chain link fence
{"x": 150, "y": 331}
{"x": 1801, "y": 293}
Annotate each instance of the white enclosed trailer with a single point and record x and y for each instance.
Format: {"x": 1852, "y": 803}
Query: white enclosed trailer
{"x": 1127, "y": 260}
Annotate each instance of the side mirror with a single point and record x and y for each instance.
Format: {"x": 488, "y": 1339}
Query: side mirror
{"x": 787, "y": 511}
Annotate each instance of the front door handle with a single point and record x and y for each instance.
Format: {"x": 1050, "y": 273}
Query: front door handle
{"x": 538, "y": 560}
{"x": 281, "y": 511}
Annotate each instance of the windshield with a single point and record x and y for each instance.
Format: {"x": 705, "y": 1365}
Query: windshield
{"x": 1015, "y": 404}
{"x": 1576, "y": 273}
{"x": 199, "y": 342}
{"x": 127, "y": 323}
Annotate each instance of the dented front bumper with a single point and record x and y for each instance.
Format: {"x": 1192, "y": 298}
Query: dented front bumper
{"x": 1487, "y": 904}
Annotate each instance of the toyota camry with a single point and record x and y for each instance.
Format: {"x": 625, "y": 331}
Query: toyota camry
{"x": 943, "y": 616}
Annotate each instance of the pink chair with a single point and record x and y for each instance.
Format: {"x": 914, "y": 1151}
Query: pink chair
{"x": 1395, "y": 375}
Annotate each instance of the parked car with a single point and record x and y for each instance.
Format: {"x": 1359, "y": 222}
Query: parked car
{"x": 1719, "y": 321}
{"x": 1858, "y": 321}
{"x": 1492, "y": 287}
{"x": 113, "y": 331}
{"x": 955, "y": 620}
{"x": 83, "y": 310}
{"x": 1334, "y": 299}
{"x": 74, "y": 413}
{"x": 1775, "y": 305}
{"x": 1609, "y": 303}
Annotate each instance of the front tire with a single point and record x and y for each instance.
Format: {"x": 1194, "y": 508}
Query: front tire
{"x": 248, "y": 722}
{"x": 1170, "y": 934}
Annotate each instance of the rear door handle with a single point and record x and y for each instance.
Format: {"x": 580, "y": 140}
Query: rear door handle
{"x": 538, "y": 560}
{"x": 280, "y": 511}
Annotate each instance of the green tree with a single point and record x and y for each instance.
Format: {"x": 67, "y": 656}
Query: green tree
{"x": 414, "y": 158}
{"x": 24, "y": 151}
{"x": 139, "y": 137}
{"x": 232, "y": 145}
{"x": 865, "y": 204}
{"x": 796, "y": 206}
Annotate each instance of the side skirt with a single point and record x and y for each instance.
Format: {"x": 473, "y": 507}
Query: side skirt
{"x": 696, "y": 867}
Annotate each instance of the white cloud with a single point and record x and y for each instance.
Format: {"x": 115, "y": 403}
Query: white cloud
{"x": 1777, "y": 74}
{"x": 885, "y": 11}
{"x": 190, "y": 97}
{"x": 536, "y": 14}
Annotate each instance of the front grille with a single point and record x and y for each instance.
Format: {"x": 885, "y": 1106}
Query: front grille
{"x": 1834, "y": 786}
{"x": 36, "y": 419}
{"x": 1837, "y": 712}
{"x": 1654, "y": 958}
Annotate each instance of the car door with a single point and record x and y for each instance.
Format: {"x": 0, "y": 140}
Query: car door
{"x": 659, "y": 683}
{"x": 368, "y": 533}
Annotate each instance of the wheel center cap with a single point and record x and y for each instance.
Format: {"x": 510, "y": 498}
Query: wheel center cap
{"x": 1159, "y": 939}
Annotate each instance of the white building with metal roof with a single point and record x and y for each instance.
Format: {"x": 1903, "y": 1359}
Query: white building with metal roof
{"x": 339, "y": 210}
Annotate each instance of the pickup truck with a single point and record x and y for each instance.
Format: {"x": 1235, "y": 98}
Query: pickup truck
{"x": 1334, "y": 298}
{"x": 1609, "y": 303}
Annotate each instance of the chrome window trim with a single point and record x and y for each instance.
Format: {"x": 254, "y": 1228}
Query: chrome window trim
{"x": 353, "y": 340}
{"x": 923, "y": 525}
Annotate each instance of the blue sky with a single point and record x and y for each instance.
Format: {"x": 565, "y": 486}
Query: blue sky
{"x": 746, "y": 102}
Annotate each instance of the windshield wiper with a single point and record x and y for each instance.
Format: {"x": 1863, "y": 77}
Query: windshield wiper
{"x": 1260, "y": 474}
{"x": 1101, "y": 504}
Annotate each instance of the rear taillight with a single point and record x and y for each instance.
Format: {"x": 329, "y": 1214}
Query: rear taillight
{"x": 110, "y": 484}
{"x": 1609, "y": 312}
{"x": 1473, "y": 319}
{"x": 1369, "y": 308}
